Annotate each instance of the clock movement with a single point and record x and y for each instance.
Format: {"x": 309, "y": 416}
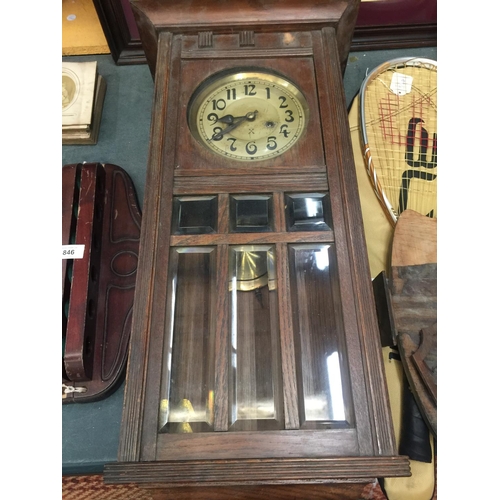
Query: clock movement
{"x": 255, "y": 367}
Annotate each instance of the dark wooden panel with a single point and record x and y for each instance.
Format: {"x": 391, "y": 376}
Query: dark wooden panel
{"x": 254, "y": 444}
{"x": 193, "y": 157}
{"x": 251, "y": 183}
{"x": 349, "y": 491}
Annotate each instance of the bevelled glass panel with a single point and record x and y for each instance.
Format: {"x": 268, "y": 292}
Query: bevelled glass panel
{"x": 255, "y": 386}
{"x": 322, "y": 371}
{"x": 250, "y": 213}
{"x": 188, "y": 367}
{"x": 307, "y": 212}
{"x": 194, "y": 215}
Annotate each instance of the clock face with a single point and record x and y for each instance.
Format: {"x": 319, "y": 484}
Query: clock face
{"x": 248, "y": 116}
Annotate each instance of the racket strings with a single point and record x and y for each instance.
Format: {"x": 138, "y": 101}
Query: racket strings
{"x": 400, "y": 133}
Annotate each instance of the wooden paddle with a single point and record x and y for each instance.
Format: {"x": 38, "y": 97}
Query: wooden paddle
{"x": 413, "y": 286}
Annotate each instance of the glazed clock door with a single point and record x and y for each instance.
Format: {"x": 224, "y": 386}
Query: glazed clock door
{"x": 250, "y": 352}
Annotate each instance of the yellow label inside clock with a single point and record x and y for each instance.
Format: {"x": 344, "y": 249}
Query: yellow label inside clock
{"x": 248, "y": 116}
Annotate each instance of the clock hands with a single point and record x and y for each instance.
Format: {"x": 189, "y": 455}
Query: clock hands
{"x": 233, "y": 122}
{"x": 229, "y": 119}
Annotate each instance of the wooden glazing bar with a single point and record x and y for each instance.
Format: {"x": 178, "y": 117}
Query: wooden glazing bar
{"x": 251, "y": 184}
{"x": 251, "y": 238}
{"x": 221, "y": 411}
{"x": 279, "y": 212}
{"x": 289, "y": 375}
{"x": 223, "y": 216}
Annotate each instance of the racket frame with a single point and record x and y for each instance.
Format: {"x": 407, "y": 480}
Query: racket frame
{"x": 394, "y": 64}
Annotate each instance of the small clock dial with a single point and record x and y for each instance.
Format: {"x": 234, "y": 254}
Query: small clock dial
{"x": 248, "y": 116}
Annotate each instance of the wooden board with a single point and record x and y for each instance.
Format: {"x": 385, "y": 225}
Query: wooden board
{"x": 415, "y": 240}
{"x": 82, "y": 33}
{"x": 413, "y": 285}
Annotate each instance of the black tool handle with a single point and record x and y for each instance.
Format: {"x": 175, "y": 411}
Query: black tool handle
{"x": 414, "y": 440}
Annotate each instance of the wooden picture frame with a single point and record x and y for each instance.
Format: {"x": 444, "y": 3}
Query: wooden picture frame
{"x": 121, "y": 31}
{"x": 395, "y": 24}
{"x": 384, "y": 24}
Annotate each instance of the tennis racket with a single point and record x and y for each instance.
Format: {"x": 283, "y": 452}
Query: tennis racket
{"x": 398, "y": 107}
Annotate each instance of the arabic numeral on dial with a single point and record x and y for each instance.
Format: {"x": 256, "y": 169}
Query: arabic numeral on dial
{"x": 283, "y": 101}
{"x": 232, "y": 147}
{"x": 217, "y": 136}
{"x": 218, "y": 104}
{"x": 213, "y": 117}
{"x": 231, "y": 94}
{"x": 271, "y": 143}
{"x": 251, "y": 148}
{"x": 290, "y": 117}
{"x": 284, "y": 131}
{"x": 250, "y": 89}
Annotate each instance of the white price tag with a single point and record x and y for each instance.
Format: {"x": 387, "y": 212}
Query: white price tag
{"x": 401, "y": 84}
{"x": 73, "y": 251}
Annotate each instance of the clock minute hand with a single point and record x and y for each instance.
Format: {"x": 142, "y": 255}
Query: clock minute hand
{"x": 233, "y": 123}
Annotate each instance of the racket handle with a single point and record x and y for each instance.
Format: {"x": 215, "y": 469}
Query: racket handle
{"x": 415, "y": 439}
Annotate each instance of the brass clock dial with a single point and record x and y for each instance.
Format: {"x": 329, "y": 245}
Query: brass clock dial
{"x": 248, "y": 116}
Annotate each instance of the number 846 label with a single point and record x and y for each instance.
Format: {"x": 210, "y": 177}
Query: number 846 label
{"x": 73, "y": 251}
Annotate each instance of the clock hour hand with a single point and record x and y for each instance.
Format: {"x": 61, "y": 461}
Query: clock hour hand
{"x": 233, "y": 122}
{"x": 229, "y": 119}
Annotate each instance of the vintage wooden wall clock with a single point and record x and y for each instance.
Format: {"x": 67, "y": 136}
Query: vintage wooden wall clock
{"x": 254, "y": 360}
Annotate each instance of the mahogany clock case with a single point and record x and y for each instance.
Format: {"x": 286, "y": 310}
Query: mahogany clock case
{"x": 310, "y": 49}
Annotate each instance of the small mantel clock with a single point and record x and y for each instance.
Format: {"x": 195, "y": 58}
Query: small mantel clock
{"x": 255, "y": 369}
